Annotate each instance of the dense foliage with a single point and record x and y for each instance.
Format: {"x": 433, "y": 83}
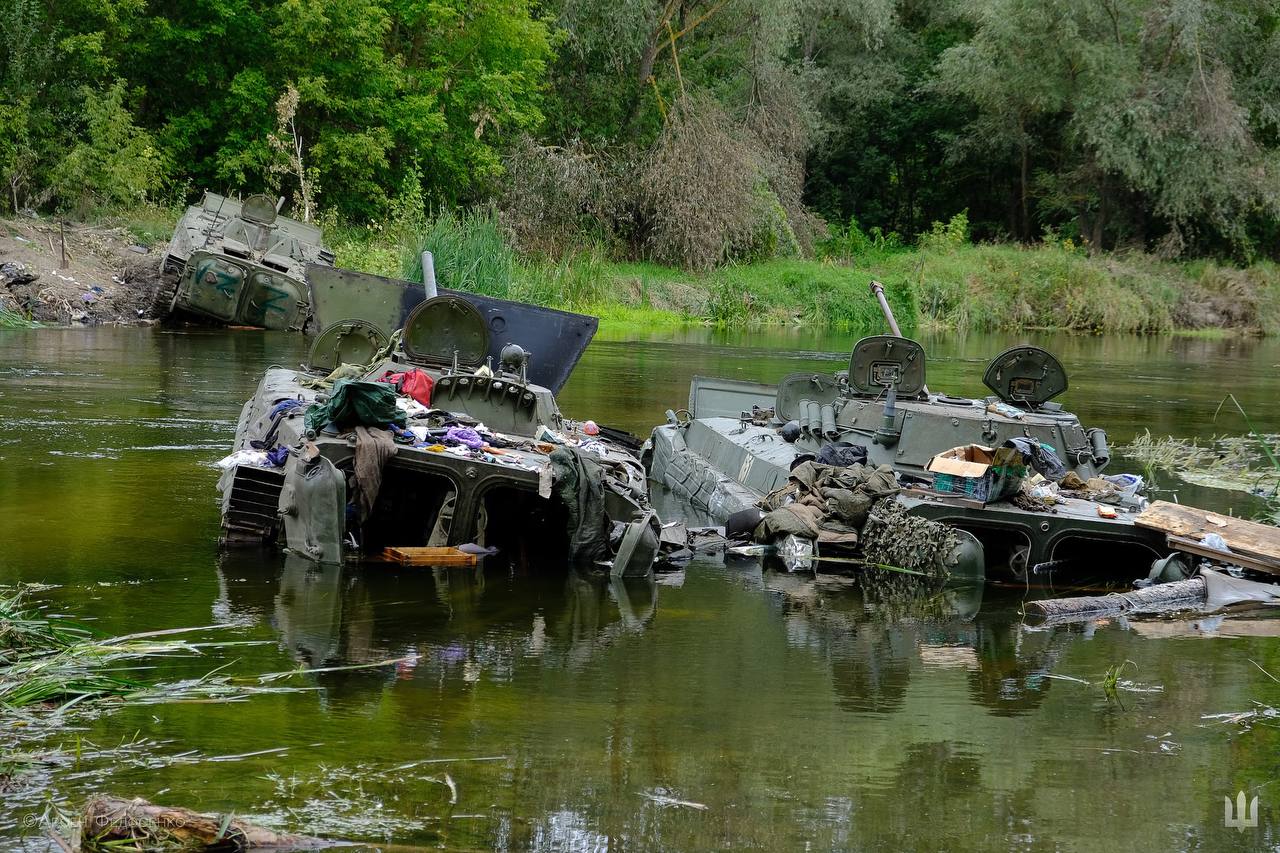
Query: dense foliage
{"x": 687, "y": 131}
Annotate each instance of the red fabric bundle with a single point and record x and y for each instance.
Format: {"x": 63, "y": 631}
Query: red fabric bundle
{"x": 415, "y": 383}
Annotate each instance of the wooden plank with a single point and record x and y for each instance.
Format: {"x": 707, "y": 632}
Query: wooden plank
{"x": 1244, "y": 561}
{"x": 416, "y": 556}
{"x": 1261, "y": 541}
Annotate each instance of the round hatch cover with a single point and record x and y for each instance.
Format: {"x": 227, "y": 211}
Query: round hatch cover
{"x": 258, "y": 208}
{"x": 887, "y": 361}
{"x": 1025, "y": 375}
{"x": 346, "y": 342}
{"x": 443, "y": 325}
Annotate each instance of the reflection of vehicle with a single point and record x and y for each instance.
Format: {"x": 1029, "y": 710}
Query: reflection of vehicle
{"x": 876, "y": 638}
{"x": 241, "y": 263}
{"x": 738, "y": 441}
{"x": 438, "y": 621}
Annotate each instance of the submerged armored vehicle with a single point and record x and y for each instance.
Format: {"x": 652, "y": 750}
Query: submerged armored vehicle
{"x": 468, "y": 447}
{"x": 738, "y": 442}
{"x": 240, "y": 263}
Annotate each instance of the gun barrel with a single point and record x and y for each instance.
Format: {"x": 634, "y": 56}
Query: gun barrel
{"x": 878, "y": 290}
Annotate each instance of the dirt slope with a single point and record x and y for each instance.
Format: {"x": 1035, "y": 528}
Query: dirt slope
{"x": 107, "y": 277}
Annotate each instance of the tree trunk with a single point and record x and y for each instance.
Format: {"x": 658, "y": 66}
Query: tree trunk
{"x": 1095, "y": 240}
{"x": 647, "y": 59}
{"x": 1024, "y": 227}
{"x": 1139, "y": 221}
{"x": 110, "y": 819}
{"x": 1153, "y": 599}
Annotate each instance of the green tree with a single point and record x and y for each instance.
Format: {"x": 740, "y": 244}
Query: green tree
{"x": 117, "y": 163}
{"x": 1124, "y": 114}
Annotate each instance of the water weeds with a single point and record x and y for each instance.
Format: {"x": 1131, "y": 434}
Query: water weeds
{"x": 55, "y": 674}
{"x": 53, "y": 665}
{"x": 1259, "y": 715}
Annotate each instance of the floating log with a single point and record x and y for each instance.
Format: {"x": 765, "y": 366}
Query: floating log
{"x": 1153, "y": 599}
{"x": 108, "y": 823}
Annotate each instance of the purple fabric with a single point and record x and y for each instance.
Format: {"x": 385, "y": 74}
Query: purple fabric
{"x": 464, "y": 435}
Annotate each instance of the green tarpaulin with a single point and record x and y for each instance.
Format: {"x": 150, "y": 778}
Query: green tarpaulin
{"x": 354, "y": 404}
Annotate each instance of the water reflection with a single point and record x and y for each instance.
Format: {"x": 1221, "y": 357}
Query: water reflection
{"x": 460, "y": 625}
{"x": 876, "y": 635}
{"x": 438, "y": 623}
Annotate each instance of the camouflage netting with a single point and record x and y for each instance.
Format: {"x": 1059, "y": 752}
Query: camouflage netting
{"x": 892, "y": 537}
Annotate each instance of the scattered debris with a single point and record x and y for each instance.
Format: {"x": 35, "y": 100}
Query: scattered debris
{"x": 112, "y": 824}
{"x": 660, "y": 797}
{"x": 1261, "y": 715}
{"x": 36, "y": 288}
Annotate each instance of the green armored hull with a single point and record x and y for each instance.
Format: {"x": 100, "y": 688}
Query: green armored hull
{"x": 240, "y": 263}
{"x": 737, "y": 442}
{"x": 419, "y": 438}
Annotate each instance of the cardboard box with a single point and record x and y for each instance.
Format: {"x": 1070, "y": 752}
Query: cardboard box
{"x": 982, "y": 473}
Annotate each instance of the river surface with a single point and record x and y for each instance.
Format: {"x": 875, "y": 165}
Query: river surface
{"x": 724, "y": 707}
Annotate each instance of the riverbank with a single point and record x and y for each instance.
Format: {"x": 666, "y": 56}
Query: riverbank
{"x": 69, "y": 273}
{"x": 944, "y": 284}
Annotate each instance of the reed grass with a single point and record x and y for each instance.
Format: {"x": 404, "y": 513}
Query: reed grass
{"x": 52, "y": 664}
{"x": 468, "y": 249}
{"x": 13, "y": 320}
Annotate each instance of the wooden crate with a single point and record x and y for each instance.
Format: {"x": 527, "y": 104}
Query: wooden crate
{"x": 418, "y": 556}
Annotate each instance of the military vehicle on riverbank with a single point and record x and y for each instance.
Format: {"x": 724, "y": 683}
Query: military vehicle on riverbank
{"x": 239, "y": 263}
{"x": 423, "y": 422}
{"x": 739, "y": 445}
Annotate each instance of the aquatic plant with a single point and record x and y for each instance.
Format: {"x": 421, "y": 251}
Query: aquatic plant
{"x": 54, "y": 664}
{"x": 1221, "y": 462}
{"x": 1247, "y": 463}
{"x": 13, "y": 320}
{"x": 1111, "y": 678}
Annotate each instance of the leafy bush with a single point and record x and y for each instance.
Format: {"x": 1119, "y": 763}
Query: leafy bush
{"x": 948, "y": 236}
{"x": 712, "y": 191}
{"x": 117, "y": 163}
{"x": 849, "y": 244}
{"x": 553, "y": 197}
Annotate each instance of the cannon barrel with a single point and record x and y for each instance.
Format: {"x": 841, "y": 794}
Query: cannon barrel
{"x": 877, "y": 289}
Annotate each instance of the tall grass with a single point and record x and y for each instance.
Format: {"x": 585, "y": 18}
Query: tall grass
{"x": 468, "y": 249}
{"x": 944, "y": 282}
{"x": 575, "y": 281}
{"x": 1015, "y": 287}
{"x": 13, "y": 320}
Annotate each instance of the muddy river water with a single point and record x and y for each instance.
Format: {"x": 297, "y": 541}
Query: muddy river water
{"x": 723, "y": 707}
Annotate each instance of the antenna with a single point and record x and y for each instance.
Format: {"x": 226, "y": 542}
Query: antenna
{"x": 208, "y": 232}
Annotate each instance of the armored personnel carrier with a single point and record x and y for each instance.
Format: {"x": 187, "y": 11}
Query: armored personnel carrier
{"x": 240, "y": 263}
{"x": 431, "y": 421}
{"x": 737, "y": 442}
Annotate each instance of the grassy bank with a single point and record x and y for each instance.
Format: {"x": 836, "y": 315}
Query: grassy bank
{"x": 1014, "y": 287}
{"x": 944, "y": 282}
